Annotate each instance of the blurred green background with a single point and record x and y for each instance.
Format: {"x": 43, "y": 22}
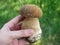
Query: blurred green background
{"x": 50, "y": 21}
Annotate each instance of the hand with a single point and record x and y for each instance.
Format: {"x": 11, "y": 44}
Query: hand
{"x": 8, "y": 37}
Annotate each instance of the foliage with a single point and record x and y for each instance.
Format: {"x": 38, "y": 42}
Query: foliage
{"x": 50, "y": 21}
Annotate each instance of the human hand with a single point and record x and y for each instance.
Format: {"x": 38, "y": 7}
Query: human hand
{"x": 8, "y": 37}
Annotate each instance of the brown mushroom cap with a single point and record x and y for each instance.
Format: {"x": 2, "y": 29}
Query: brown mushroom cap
{"x": 31, "y": 11}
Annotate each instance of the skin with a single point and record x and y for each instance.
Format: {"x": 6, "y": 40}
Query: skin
{"x": 9, "y": 37}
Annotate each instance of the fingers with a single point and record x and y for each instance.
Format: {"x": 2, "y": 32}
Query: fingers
{"x": 23, "y": 42}
{"x": 21, "y": 33}
{"x": 19, "y": 42}
{"x": 15, "y": 42}
{"x": 14, "y": 21}
{"x": 16, "y": 27}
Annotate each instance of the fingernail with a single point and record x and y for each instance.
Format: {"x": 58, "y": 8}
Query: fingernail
{"x": 30, "y": 31}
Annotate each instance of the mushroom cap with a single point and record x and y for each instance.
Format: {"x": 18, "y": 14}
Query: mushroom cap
{"x": 31, "y": 10}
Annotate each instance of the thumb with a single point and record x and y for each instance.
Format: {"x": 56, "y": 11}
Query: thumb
{"x": 21, "y": 33}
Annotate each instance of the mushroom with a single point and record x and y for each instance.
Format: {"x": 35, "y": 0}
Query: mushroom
{"x": 31, "y": 13}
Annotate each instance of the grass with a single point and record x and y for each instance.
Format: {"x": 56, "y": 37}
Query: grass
{"x": 50, "y": 21}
